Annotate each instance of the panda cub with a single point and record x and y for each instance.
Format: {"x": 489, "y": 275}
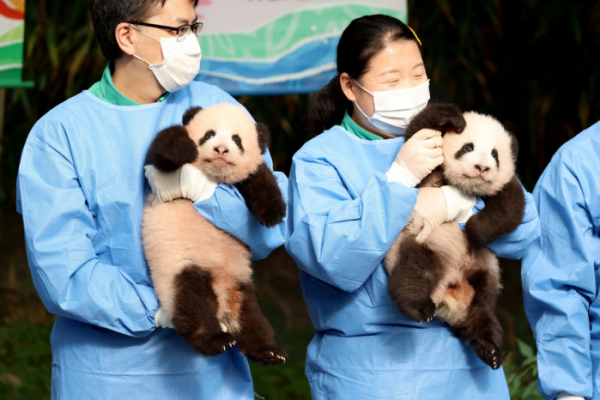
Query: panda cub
{"x": 202, "y": 275}
{"x": 452, "y": 275}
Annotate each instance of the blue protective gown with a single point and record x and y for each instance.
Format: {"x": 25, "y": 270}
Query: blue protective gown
{"x": 560, "y": 272}
{"x": 81, "y": 191}
{"x": 344, "y": 216}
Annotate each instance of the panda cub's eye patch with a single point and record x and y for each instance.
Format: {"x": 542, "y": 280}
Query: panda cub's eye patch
{"x": 495, "y": 155}
{"x": 207, "y": 136}
{"x": 238, "y": 142}
{"x": 467, "y": 148}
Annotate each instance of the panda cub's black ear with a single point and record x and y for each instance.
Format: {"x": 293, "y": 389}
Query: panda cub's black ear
{"x": 190, "y": 114}
{"x": 264, "y": 137}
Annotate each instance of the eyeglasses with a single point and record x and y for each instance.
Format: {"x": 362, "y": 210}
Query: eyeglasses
{"x": 182, "y": 31}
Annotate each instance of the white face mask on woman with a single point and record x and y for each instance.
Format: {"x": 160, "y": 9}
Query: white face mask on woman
{"x": 394, "y": 109}
{"x": 181, "y": 61}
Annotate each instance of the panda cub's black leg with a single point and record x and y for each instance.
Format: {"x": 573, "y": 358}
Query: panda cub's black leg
{"x": 255, "y": 339}
{"x": 481, "y": 327}
{"x": 414, "y": 279}
{"x": 195, "y": 317}
{"x": 263, "y": 197}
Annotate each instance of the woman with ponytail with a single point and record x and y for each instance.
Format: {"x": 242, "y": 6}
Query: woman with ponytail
{"x": 352, "y": 191}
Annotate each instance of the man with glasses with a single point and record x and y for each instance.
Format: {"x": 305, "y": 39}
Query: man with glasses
{"x": 81, "y": 190}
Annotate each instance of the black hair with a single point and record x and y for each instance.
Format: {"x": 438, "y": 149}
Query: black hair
{"x": 360, "y": 41}
{"x": 107, "y": 14}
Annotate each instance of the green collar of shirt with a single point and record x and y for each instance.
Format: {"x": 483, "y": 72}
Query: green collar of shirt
{"x": 105, "y": 90}
{"x": 352, "y": 127}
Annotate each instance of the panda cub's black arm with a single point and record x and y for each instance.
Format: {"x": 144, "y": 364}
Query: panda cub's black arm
{"x": 171, "y": 148}
{"x": 502, "y": 214}
{"x": 263, "y": 197}
{"x": 438, "y": 116}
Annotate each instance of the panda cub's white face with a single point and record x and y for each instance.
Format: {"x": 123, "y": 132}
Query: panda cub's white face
{"x": 227, "y": 140}
{"x": 479, "y": 161}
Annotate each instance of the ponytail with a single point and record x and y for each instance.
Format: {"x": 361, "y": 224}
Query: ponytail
{"x": 327, "y": 107}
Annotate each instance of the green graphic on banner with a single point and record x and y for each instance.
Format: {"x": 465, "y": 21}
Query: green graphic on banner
{"x": 275, "y": 47}
{"x": 297, "y": 28}
{"x": 12, "y": 32}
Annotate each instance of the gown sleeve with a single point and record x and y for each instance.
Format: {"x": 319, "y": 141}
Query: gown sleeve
{"x": 59, "y": 229}
{"x": 515, "y": 244}
{"x": 337, "y": 238}
{"x": 559, "y": 281}
{"x": 227, "y": 208}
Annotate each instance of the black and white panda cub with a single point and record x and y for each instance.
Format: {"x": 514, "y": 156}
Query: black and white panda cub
{"x": 452, "y": 275}
{"x": 202, "y": 275}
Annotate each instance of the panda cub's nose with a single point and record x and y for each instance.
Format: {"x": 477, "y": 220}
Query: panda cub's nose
{"x": 482, "y": 168}
{"x": 221, "y": 149}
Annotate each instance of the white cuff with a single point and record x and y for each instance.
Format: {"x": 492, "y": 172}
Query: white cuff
{"x": 400, "y": 174}
{"x": 459, "y": 206}
{"x": 162, "y": 320}
{"x": 567, "y": 396}
{"x": 195, "y": 185}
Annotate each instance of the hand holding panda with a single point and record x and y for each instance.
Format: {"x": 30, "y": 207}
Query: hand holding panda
{"x": 202, "y": 275}
{"x": 452, "y": 275}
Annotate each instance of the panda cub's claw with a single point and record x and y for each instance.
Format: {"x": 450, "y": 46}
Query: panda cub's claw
{"x": 419, "y": 311}
{"x": 215, "y": 345}
{"x": 269, "y": 356}
{"x": 272, "y": 217}
{"x": 489, "y": 353}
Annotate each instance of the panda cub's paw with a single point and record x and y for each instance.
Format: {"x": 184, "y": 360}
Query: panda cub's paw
{"x": 214, "y": 345}
{"x": 271, "y": 217}
{"x": 268, "y": 355}
{"x": 420, "y": 312}
{"x": 488, "y": 352}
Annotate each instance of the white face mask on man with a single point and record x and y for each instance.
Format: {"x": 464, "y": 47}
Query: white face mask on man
{"x": 394, "y": 109}
{"x": 181, "y": 61}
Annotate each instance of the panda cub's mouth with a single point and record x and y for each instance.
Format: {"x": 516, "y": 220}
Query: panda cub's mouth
{"x": 218, "y": 160}
{"x": 475, "y": 177}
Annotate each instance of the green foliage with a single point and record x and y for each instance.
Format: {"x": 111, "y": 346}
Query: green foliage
{"x": 283, "y": 382}
{"x": 25, "y": 361}
{"x": 521, "y": 373}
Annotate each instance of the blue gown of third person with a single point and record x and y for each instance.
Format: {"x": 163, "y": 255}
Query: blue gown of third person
{"x": 344, "y": 216}
{"x": 561, "y": 272}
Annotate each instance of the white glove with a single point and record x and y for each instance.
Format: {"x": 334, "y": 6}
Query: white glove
{"x": 459, "y": 205}
{"x": 165, "y": 185}
{"x": 422, "y": 153}
{"x": 162, "y": 320}
{"x": 567, "y": 396}
{"x": 188, "y": 182}
{"x": 429, "y": 212}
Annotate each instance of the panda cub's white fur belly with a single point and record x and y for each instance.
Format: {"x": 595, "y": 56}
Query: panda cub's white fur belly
{"x": 168, "y": 229}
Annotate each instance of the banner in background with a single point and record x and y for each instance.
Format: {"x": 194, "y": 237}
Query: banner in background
{"x": 277, "y": 46}
{"x": 12, "y": 32}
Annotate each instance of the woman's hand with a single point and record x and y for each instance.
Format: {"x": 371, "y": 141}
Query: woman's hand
{"x": 422, "y": 153}
{"x": 429, "y": 212}
{"x": 438, "y": 205}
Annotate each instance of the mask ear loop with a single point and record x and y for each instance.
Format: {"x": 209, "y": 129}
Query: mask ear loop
{"x": 356, "y": 104}
{"x": 139, "y": 58}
